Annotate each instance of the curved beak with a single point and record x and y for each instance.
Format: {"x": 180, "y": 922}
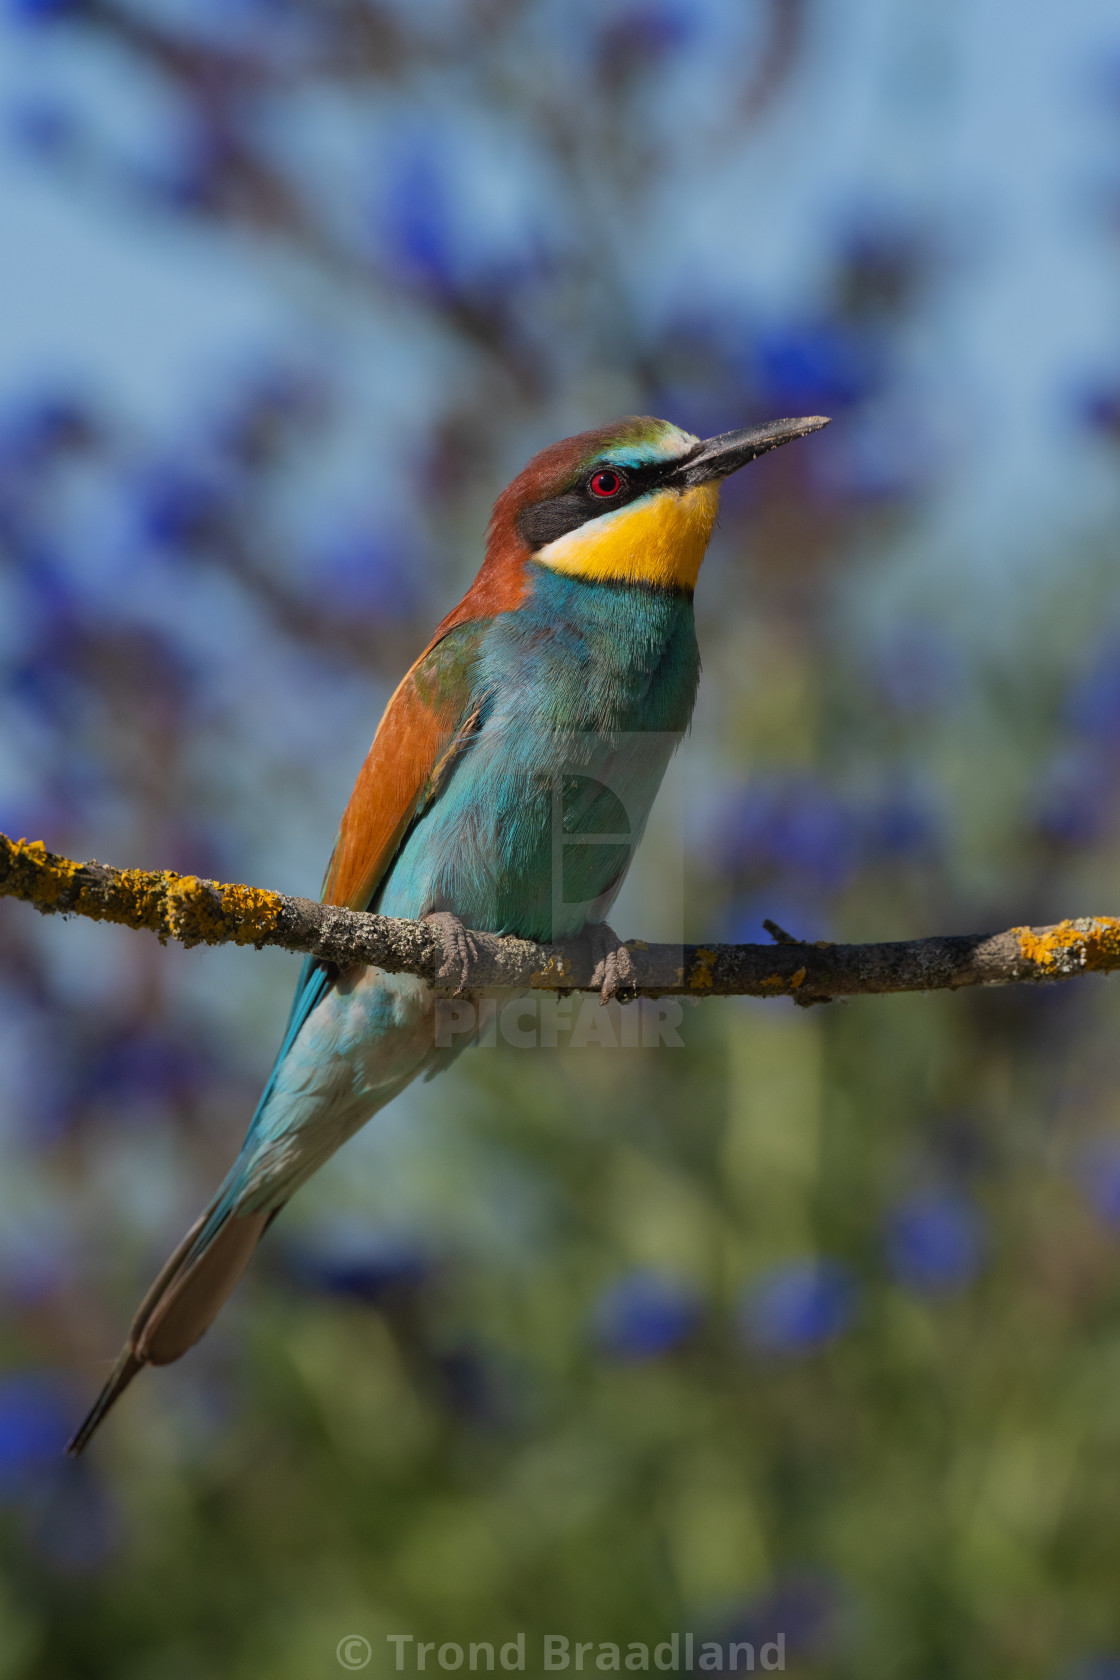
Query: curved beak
{"x": 717, "y": 457}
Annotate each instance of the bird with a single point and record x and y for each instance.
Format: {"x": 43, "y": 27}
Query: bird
{"x": 573, "y": 651}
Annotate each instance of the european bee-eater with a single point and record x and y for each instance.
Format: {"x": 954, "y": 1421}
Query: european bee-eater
{"x": 578, "y": 628}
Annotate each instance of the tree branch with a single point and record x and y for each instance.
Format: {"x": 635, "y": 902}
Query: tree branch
{"x": 199, "y": 912}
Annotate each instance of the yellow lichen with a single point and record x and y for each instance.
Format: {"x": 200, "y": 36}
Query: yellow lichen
{"x": 180, "y": 906}
{"x": 1095, "y": 944}
{"x": 258, "y": 909}
{"x": 773, "y": 980}
{"x": 700, "y": 979}
{"x": 796, "y": 979}
{"x": 198, "y": 911}
{"x": 554, "y": 969}
{"x": 45, "y": 875}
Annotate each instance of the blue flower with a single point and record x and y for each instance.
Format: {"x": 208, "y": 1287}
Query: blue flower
{"x": 36, "y": 1419}
{"x": 1093, "y": 707}
{"x": 1099, "y": 1173}
{"x": 802, "y": 915}
{"x": 645, "y": 1314}
{"x": 418, "y": 222}
{"x": 797, "y": 1307}
{"x": 804, "y": 1605}
{"x": 643, "y": 36}
{"x": 916, "y": 671}
{"x": 71, "y": 1519}
{"x": 183, "y": 508}
{"x": 1075, "y": 799}
{"x": 45, "y": 428}
{"x": 45, "y": 128}
{"x": 144, "y": 1064}
{"x": 816, "y": 368}
{"x": 369, "y": 573}
{"x": 44, "y": 11}
{"x": 903, "y": 825}
{"x": 1100, "y": 410}
{"x": 1103, "y": 1665}
{"x": 934, "y": 1241}
{"x": 378, "y": 1268}
{"x": 479, "y": 1388}
{"x": 790, "y": 825}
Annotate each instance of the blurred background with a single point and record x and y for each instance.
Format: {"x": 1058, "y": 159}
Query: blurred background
{"x": 812, "y": 1325}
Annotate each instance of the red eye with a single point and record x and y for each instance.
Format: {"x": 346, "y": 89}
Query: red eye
{"x": 606, "y": 484}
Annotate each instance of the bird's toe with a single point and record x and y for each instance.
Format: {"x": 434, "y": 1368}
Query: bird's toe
{"x": 613, "y": 969}
{"x": 460, "y": 951}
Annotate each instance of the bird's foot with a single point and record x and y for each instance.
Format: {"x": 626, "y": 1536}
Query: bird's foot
{"x": 612, "y": 965}
{"x": 460, "y": 949}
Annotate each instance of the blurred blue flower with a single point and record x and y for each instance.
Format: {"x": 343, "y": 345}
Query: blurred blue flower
{"x": 417, "y": 222}
{"x": 916, "y": 671}
{"x": 882, "y": 455}
{"x": 46, "y": 583}
{"x": 1101, "y": 1666}
{"x": 185, "y": 508}
{"x": 379, "y": 1268}
{"x": 144, "y": 1064}
{"x": 45, "y": 11}
{"x": 804, "y": 1605}
{"x": 47, "y": 680}
{"x": 880, "y": 260}
{"x": 370, "y": 573}
{"x": 797, "y": 1307}
{"x": 39, "y": 430}
{"x": 274, "y": 403}
{"x": 934, "y": 1240}
{"x": 37, "y": 1261}
{"x": 36, "y": 1420}
{"x": 479, "y": 1388}
{"x": 790, "y": 825}
{"x": 45, "y": 128}
{"x": 816, "y": 368}
{"x": 1098, "y": 1170}
{"x": 1093, "y": 707}
{"x": 71, "y": 1520}
{"x": 741, "y": 922}
{"x": 643, "y": 35}
{"x": 195, "y": 172}
{"x": 1075, "y": 799}
{"x": 904, "y": 825}
{"x": 1099, "y": 410}
{"x": 644, "y": 1314}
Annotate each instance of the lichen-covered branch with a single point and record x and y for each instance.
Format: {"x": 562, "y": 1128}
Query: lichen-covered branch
{"x": 199, "y": 912}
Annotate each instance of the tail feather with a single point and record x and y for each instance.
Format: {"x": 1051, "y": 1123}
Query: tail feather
{"x": 185, "y": 1309}
{"x": 180, "y": 1306}
{"x": 123, "y": 1372}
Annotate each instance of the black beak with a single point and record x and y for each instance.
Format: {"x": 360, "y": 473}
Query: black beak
{"x": 717, "y": 457}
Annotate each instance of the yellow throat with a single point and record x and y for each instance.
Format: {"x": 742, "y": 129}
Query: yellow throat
{"x": 660, "y": 539}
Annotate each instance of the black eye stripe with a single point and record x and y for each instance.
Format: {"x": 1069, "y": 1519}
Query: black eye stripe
{"x": 546, "y": 521}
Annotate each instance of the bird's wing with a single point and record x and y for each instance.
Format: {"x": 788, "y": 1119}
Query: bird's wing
{"x": 429, "y": 719}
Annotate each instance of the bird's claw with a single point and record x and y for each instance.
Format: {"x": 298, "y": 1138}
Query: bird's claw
{"x": 613, "y": 968}
{"x": 460, "y": 949}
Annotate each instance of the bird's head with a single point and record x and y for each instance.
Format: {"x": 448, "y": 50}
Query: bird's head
{"x": 631, "y": 502}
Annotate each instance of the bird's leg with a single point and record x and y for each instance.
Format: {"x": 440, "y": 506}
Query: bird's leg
{"x": 612, "y": 965}
{"x": 460, "y": 949}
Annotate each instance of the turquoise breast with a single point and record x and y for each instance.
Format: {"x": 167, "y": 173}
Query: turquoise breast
{"x": 585, "y": 691}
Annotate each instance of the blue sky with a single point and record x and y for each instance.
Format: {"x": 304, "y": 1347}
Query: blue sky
{"x": 992, "y": 124}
